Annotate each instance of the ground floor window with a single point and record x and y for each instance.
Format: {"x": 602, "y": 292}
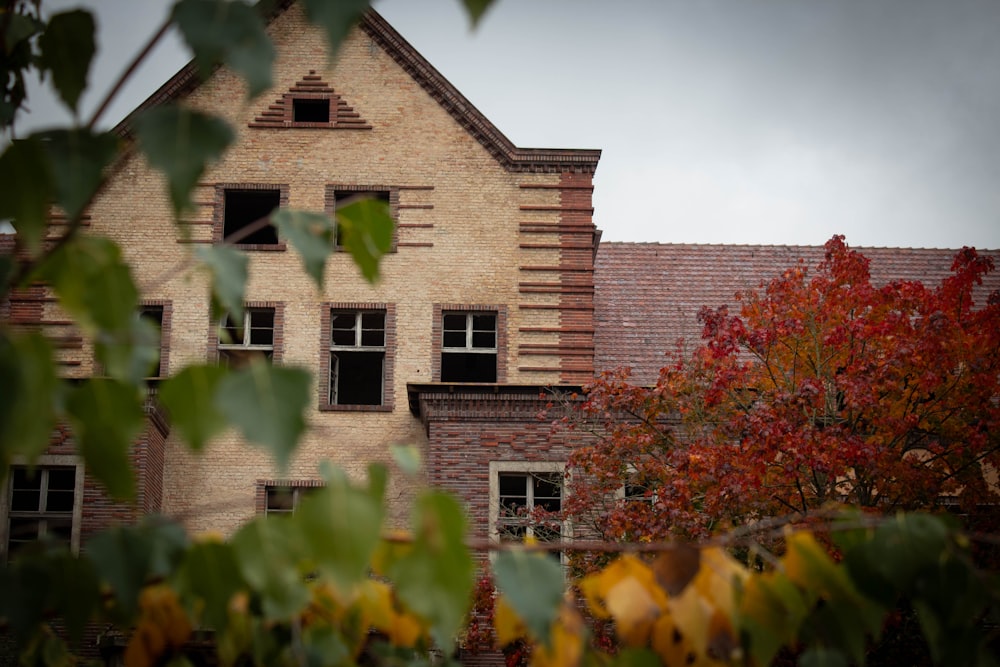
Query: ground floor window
{"x": 42, "y": 503}
{"x": 525, "y": 501}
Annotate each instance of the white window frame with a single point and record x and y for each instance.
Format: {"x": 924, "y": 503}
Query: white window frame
{"x": 496, "y": 468}
{"x": 245, "y": 345}
{"x": 45, "y": 461}
{"x": 333, "y": 397}
{"x": 469, "y": 348}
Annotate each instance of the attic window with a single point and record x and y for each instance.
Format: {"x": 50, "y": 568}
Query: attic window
{"x": 310, "y": 111}
{"x": 243, "y": 208}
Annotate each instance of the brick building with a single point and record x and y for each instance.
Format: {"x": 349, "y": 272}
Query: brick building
{"x": 497, "y": 288}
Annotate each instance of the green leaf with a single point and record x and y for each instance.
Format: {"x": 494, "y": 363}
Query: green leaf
{"x": 408, "y": 458}
{"x": 533, "y": 584}
{"x": 189, "y": 398}
{"x": 341, "y": 526}
{"x": 366, "y": 227}
{"x": 230, "y": 32}
{"x": 77, "y": 159}
{"x": 28, "y": 190}
{"x": 74, "y": 592}
{"x": 130, "y": 356}
{"x": 106, "y": 416}
{"x": 67, "y": 47}
{"x": 435, "y": 577}
{"x": 636, "y": 657}
{"x": 20, "y": 28}
{"x": 30, "y": 386}
{"x": 266, "y": 403}
{"x": 311, "y": 234}
{"x": 211, "y": 575}
{"x": 335, "y": 18}
{"x": 267, "y": 550}
{"x": 229, "y": 278}
{"x": 94, "y": 284}
{"x": 181, "y": 143}
{"x": 129, "y": 557}
{"x": 121, "y": 557}
{"x": 476, "y": 9}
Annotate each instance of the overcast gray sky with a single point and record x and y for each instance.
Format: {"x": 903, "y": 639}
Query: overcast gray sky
{"x": 721, "y": 121}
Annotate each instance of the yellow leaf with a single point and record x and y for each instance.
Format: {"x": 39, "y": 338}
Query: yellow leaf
{"x": 376, "y": 600}
{"x": 634, "y": 610}
{"x": 670, "y": 643}
{"x": 717, "y": 577}
{"x": 596, "y": 586}
{"x": 507, "y": 623}
{"x": 566, "y": 646}
{"x": 406, "y": 630}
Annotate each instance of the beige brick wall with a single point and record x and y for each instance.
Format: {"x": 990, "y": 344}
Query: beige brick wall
{"x": 474, "y": 257}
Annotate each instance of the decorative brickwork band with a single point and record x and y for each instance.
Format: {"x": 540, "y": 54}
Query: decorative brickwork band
{"x": 310, "y": 104}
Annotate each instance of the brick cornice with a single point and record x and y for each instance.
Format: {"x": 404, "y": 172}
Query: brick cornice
{"x": 431, "y": 401}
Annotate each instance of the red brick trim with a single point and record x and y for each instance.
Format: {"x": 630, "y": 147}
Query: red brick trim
{"x": 389, "y": 368}
{"x": 436, "y": 334}
{"x": 279, "y": 114}
{"x": 219, "y": 212}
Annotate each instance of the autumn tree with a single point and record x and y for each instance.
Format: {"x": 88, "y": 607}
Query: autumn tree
{"x": 822, "y": 388}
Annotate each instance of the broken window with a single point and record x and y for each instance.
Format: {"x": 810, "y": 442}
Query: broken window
{"x": 310, "y": 111}
{"x": 40, "y": 506}
{"x": 245, "y": 209}
{"x": 154, "y": 315}
{"x": 347, "y": 197}
{"x": 469, "y": 347}
{"x": 529, "y": 503}
{"x": 357, "y": 357}
{"x": 252, "y": 337}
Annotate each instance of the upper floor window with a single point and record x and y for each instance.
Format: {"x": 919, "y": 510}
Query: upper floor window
{"x": 357, "y": 357}
{"x": 346, "y": 196}
{"x": 244, "y": 208}
{"x": 154, "y": 314}
{"x": 468, "y": 347}
{"x": 242, "y": 340}
{"x": 41, "y": 503}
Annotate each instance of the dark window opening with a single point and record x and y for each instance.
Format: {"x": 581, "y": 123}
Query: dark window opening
{"x": 154, "y": 315}
{"x": 283, "y": 500}
{"x": 357, "y": 358}
{"x": 462, "y": 367}
{"x": 347, "y": 197}
{"x": 243, "y": 208}
{"x": 469, "y": 347}
{"x": 311, "y": 111}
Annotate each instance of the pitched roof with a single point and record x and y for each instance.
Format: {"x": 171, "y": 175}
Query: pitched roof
{"x": 647, "y": 295}
{"x": 511, "y": 157}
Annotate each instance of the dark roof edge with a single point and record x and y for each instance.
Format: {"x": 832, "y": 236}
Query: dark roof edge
{"x": 552, "y": 160}
{"x": 484, "y": 390}
{"x": 783, "y": 246}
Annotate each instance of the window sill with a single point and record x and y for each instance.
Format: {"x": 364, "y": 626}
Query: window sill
{"x": 355, "y": 408}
